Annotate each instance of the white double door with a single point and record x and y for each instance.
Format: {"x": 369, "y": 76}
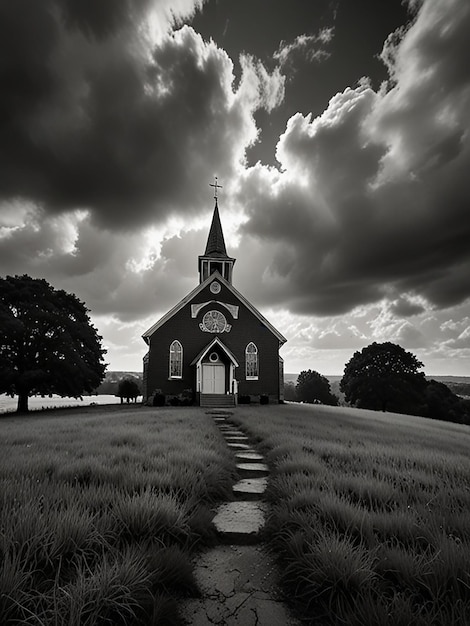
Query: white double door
{"x": 213, "y": 378}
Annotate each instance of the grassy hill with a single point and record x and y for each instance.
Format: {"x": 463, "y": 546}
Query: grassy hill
{"x": 368, "y": 513}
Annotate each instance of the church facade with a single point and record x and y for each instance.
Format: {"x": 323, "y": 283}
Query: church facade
{"x": 214, "y": 348}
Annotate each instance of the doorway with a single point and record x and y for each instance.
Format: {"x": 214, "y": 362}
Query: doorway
{"x": 213, "y": 378}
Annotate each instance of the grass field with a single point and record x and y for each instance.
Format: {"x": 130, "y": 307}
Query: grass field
{"x": 100, "y": 511}
{"x": 370, "y": 513}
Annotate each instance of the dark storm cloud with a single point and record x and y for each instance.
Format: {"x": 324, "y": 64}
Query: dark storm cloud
{"x": 403, "y": 307}
{"x": 95, "y": 114}
{"x": 372, "y": 200}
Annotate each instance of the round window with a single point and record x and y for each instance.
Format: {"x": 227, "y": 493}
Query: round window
{"x": 214, "y": 322}
{"x": 213, "y": 357}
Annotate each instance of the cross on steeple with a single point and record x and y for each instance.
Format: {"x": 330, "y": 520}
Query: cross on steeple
{"x": 216, "y": 186}
{"x": 215, "y": 258}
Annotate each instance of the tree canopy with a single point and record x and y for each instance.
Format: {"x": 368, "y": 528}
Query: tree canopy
{"x": 313, "y": 387}
{"x": 129, "y": 389}
{"x": 47, "y": 342}
{"x": 384, "y": 376}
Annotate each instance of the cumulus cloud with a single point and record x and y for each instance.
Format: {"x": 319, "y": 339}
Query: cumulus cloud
{"x": 105, "y": 108}
{"x": 114, "y": 118}
{"x": 371, "y": 200}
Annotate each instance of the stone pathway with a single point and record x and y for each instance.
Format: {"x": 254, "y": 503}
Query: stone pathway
{"x": 238, "y": 578}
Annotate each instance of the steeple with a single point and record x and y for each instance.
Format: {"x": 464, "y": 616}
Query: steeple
{"x": 215, "y": 242}
{"x": 215, "y": 257}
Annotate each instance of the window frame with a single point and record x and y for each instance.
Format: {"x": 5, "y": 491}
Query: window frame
{"x": 175, "y": 358}
{"x": 251, "y": 361}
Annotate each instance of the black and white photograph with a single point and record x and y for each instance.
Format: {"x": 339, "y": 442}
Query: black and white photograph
{"x": 235, "y": 312}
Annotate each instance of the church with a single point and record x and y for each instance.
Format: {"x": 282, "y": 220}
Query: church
{"x": 214, "y": 348}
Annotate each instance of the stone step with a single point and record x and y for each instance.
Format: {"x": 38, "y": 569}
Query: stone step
{"x": 236, "y": 438}
{"x": 228, "y": 431}
{"x": 239, "y": 446}
{"x": 248, "y": 455}
{"x": 250, "y": 488}
{"x": 252, "y": 470}
{"x": 216, "y": 400}
{"x": 238, "y": 587}
{"x": 239, "y": 523}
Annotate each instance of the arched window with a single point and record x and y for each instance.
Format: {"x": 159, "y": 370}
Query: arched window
{"x": 251, "y": 361}
{"x": 176, "y": 360}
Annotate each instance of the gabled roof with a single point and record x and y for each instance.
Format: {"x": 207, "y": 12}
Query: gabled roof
{"x": 215, "y": 342}
{"x": 215, "y": 241}
{"x": 215, "y": 276}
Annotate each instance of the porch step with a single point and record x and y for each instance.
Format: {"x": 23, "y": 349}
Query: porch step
{"x": 217, "y": 399}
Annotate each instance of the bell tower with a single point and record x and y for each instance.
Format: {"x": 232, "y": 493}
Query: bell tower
{"x": 215, "y": 257}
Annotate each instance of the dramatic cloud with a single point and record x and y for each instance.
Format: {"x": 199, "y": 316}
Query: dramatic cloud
{"x": 101, "y": 112}
{"x": 114, "y": 117}
{"x": 372, "y": 197}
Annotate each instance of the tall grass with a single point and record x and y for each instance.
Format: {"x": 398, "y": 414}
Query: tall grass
{"x": 100, "y": 512}
{"x": 370, "y": 514}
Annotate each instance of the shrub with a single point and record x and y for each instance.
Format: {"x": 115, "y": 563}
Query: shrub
{"x": 244, "y": 399}
{"x": 264, "y": 399}
{"x": 159, "y": 399}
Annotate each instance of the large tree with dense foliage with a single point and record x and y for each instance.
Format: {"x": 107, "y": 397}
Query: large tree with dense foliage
{"x": 384, "y": 376}
{"x": 47, "y": 342}
{"x": 312, "y": 386}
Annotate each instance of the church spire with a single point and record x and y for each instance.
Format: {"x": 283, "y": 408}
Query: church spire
{"x": 215, "y": 242}
{"x": 215, "y": 257}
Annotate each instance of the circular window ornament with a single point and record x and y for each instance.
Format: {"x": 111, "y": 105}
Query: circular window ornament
{"x": 213, "y": 357}
{"x": 214, "y": 322}
{"x": 215, "y": 287}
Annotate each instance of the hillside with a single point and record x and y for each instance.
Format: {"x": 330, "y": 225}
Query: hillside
{"x": 110, "y": 383}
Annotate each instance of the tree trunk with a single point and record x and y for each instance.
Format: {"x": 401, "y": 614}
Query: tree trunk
{"x": 22, "y": 403}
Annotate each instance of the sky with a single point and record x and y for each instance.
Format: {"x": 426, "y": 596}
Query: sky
{"x": 338, "y": 129}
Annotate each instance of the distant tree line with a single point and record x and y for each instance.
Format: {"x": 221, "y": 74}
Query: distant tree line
{"x": 112, "y": 381}
{"x": 384, "y": 377}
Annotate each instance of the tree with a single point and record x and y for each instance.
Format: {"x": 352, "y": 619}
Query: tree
{"x": 313, "y": 387}
{"x": 47, "y": 342}
{"x": 129, "y": 389}
{"x": 290, "y": 394}
{"x": 443, "y": 404}
{"x": 384, "y": 376}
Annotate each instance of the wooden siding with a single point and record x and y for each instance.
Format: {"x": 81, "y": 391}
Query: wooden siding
{"x": 186, "y": 329}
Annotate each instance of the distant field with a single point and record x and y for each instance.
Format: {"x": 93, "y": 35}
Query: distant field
{"x": 370, "y": 513}
{"x": 100, "y": 510}
{"x": 36, "y": 403}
